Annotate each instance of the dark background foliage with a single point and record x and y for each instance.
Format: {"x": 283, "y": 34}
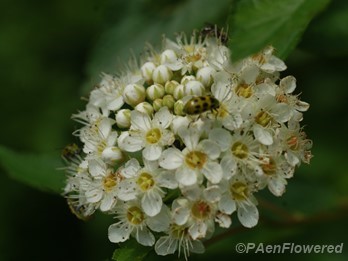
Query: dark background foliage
{"x": 51, "y": 54}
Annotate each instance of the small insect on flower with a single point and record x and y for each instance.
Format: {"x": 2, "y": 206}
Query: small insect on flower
{"x": 71, "y": 151}
{"x": 210, "y": 30}
{"x": 200, "y": 104}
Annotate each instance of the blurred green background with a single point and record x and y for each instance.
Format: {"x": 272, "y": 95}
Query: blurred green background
{"x": 51, "y": 54}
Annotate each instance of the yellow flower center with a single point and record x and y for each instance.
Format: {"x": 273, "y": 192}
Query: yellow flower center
{"x": 239, "y": 191}
{"x": 201, "y": 210}
{"x": 244, "y": 90}
{"x": 145, "y": 181}
{"x": 196, "y": 159}
{"x": 110, "y": 181}
{"x": 153, "y": 136}
{"x": 135, "y": 215}
{"x": 263, "y": 118}
{"x": 240, "y": 150}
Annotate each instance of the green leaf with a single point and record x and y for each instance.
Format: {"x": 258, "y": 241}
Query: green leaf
{"x": 131, "y": 250}
{"x": 38, "y": 171}
{"x": 147, "y": 22}
{"x": 254, "y": 24}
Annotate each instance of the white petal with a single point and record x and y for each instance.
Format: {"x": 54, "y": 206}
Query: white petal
{"x": 179, "y": 122}
{"x": 152, "y": 152}
{"x": 116, "y": 103}
{"x": 233, "y": 121}
{"x": 223, "y": 220}
{"x": 192, "y": 193}
{"x": 94, "y": 195}
{"x": 248, "y": 215}
{"x": 229, "y": 166}
{"x": 104, "y": 127}
{"x": 181, "y": 215}
{"x": 163, "y": 118}
{"x": 160, "y": 222}
{"x": 107, "y": 202}
{"x": 151, "y": 203}
{"x": 212, "y": 194}
{"x": 119, "y": 233}
{"x": 131, "y": 168}
{"x": 277, "y": 186}
{"x": 112, "y": 153}
{"x": 97, "y": 167}
{"x": 198, "y": 230}
{"x": 133, "y": 142}
{"x": 227, "y": 205}
{"x": 190, "y": 137}
{"x": 282, "y": 112}
{"x": 220, "y": 89}
{"x": 140, "y": 121}
{"x": 288, "y": 84}
{"x": 301, "y": 106}
{"x": 165, "y": 246}
{"x": 211, "y": 148}
{"x": 197, "y": 247}
{"x": 250, "y": 73}
{"x": 291, "y": 158}
{"x": 127, "y": 190}
{"x": 221, "y": 137}
{"x": 186, "y": 176}
{"x": 262, "y": 135}
{"x": 167, "y": 179}
{"x": 213, "y": 172}
{"x": 144, "y": 237}
{"x": 171, "y": 158}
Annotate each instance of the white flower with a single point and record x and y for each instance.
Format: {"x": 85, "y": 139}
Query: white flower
{"x": 238, "y": 195}
{"x": 103, "y": 189}
{"x": 178, "y": 239}
{"x": 191, "y": 53}
{"x": 295, "y": 144}
{"x": 268, "y": 62}
{"x": 240, "y": 152}
{"x": 198, "y": 215}
{"x": 108, "y": 96}
{"x": 275, "y": 172}
{"x": 152, "y": 135}
{"x": 198, "y": 157}
{"x": 146, "y": 183}
{"x": 265, "y": 115}
{"x": 100, "y": 140}
{"x": 133, "y": 221}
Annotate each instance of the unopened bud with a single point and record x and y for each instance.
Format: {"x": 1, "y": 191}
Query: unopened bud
{"x": 168, "y": 101}
{"x": 170, "y": 86}
{"x": 144, "y": 107}
{"x": 134, "y": 94}
{"x": 157, "y": 104}
{"x": 123, "y": 118}
{"x": 162, "y": 74}
{"x": 147, "y": 70}
{"x": 194, "y": 88}
{"x": 155, "y": 91}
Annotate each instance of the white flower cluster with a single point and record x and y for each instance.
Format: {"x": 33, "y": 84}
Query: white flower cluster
{"x": 174, "y": 147}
